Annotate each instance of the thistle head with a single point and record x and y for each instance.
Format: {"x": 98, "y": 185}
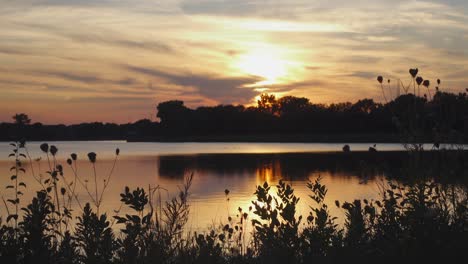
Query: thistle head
{"x": 419, "y": 80}
{"x": 413, "y": 72}
{"x": 92, "y": 157}
{"x": 380, "y": 79}
{"x": 426, "y": 83}
{"x": 44, "y": 147}
{"x": 53, "y": 150}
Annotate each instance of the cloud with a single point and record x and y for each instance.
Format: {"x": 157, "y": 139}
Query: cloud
{"x": 13, "y": 51}
{"x": 82, "y": 3}
{"x": 288, "y": 87}
{"x": 222, "y": 89}
{"x": 221, "y": 7}
{"x": 458, "y": 74}
{"x": 98, "y": 37}
{"x": 361, "y": 59}
{"x": 127, "y": 81}
{"x": 83, "y": 78}
{"x": 312, "y": 68}
{"x": 363, "y": 74}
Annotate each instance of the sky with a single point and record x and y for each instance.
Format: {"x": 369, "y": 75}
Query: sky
{"x": 72, "y": 61}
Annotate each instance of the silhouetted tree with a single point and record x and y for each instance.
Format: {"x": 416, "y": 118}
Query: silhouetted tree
{"x": 268, "y": 103}
{"x": 293, "y": 105}
{"x": 21, "y": 119}
{"x": 365, "y": 106}
{"x": 174, "y": 115}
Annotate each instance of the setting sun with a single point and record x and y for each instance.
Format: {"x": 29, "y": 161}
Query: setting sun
{"x": 263, "y": 63}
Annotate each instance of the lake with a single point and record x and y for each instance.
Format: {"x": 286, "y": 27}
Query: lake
{"x": 238, "y": 167}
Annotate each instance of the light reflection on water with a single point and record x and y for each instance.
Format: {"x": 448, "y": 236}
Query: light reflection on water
{"x": 239, "y": 173}
{"x": 106, "y": 149}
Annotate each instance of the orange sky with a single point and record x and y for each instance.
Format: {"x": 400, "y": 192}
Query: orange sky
{"x": 106, "y": 60}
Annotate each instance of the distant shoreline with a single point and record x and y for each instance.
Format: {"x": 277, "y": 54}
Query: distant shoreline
{"x": 270, "y": 138}
{"x": 277, "y": 138}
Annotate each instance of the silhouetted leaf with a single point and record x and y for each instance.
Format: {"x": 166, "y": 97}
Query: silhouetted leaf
{"x": 12, "y": 216}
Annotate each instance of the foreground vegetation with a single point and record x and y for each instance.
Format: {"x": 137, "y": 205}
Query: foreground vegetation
{"x": 419, "y": 216}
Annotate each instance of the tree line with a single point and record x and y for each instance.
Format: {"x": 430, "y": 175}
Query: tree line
{"x": 444, "y": 117}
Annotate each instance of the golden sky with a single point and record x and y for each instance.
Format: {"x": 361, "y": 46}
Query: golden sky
{"x": 70, "y": 61}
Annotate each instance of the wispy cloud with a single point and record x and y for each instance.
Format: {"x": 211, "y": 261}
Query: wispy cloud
{"x": 219, "y": 88}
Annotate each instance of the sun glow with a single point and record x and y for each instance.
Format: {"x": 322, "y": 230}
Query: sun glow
{"x": 265, "y": 63}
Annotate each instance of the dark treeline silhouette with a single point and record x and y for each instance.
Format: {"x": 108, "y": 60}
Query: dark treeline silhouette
{"x": 275, "y": 119}
{"x": 287, "y": 115}
{"x": 84, "y": 131}
{"x": 297, "y": 117}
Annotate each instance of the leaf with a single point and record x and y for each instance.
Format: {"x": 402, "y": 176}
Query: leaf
{"x": 22, "y": 184}
{"x": 10, "y": 187}
{"x": 120, "y": 220}
{"x": 11, "y": 155}
{"x": 14, "y": 216}
{"x": 13, "y": 177}
{"x": 256, "y": 222}
{"x": 22, "y": 155}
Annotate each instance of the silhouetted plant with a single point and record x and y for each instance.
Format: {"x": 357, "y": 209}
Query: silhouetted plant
{"x": 321, "y": 236}
{"x": 38, "y": 233}
{"x": 417, "y": 216}
{"x": 94, "y": 237}
{"x": 17, "y": 186}
{"x": 276, "y": 233}
{"x": 136, "y": 241}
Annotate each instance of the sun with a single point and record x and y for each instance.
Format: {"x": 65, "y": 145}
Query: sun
{"x": 263, "y": 63}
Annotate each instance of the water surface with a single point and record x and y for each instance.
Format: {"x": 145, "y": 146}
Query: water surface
{"x": 238, "y": 167}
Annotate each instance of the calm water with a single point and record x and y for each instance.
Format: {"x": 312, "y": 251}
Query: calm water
{"x": 238, "y": 167}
